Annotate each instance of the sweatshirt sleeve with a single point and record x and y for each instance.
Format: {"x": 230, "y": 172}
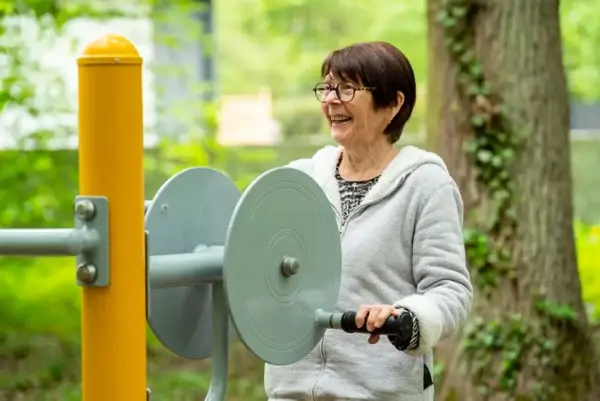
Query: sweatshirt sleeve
{"x": 444, "y": 293}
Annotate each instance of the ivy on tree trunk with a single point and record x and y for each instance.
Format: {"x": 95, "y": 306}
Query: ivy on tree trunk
{"x": 498, "y": 114}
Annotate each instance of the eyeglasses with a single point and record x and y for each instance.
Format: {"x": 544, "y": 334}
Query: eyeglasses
{"x": 345, "y": 91}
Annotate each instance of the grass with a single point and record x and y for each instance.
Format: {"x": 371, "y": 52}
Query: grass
{"x": 41, "y": 368}
{"x": 40, "y": 348}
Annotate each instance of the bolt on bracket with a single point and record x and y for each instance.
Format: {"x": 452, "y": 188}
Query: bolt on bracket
{"x": 93, "y": 267}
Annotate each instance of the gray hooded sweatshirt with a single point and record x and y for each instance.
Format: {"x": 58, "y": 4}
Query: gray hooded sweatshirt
{"x": 403, "y": 246}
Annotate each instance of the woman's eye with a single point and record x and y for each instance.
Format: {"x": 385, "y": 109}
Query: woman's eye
{"x": 346, "y": 88}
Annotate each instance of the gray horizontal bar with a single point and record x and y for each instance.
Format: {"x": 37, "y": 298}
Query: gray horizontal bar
{"x": 203, "y": 266}
{"x": 328, "y": 320}
{"x": 47, "y": 242}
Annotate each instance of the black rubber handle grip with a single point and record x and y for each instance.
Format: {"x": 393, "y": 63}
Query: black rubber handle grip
{"x": 401, "y": 326}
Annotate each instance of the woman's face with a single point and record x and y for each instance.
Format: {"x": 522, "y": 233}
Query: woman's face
{"x": 352, "y": 120}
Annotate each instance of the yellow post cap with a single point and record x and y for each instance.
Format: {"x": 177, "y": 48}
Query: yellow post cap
{"x": 113, "y": 49}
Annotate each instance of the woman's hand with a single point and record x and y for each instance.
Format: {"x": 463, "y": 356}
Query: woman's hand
{"x": 375, "y": 316}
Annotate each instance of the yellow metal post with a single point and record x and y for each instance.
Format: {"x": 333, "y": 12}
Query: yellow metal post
{"x": 111, "y": 165}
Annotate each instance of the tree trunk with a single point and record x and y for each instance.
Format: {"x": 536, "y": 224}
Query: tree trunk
{"x": 498, "y": 113}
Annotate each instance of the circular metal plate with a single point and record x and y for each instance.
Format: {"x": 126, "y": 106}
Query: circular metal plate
{"x": 191, "y": 208}
{"x": 282, "y": 213}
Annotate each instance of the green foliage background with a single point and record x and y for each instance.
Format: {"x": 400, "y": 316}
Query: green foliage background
{"x": 274, "y": 43}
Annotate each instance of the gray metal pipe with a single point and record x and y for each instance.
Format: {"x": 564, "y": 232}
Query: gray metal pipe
{"x": 202, "y": 266}
{"x": 328, "y": 320}
{"x": 220, "y": 339}
{"x": 47, "y": 242}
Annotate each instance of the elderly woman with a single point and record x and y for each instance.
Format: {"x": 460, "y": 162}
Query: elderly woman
{"x": 400, "y": 221}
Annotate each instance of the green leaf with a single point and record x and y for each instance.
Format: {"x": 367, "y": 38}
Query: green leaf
{"x": 458, "y": 47}
{"x": 470, "y": 146}
{"x": 484, "y": 156}
{"x": 442, "y": 16}
{"x": 477, "y": 120}
{"x": 508, "y": 153}
{"x": 474, "y": 89}
{"x": 497, "y": 161}
{"x": 459, "y": 11}
{"x": 484, "y": 89}
{"x": 449, "y": 22}
{"x": 466, "y": 58}
{"x": 476, "y": 69}
{"x": 501, "y": 195}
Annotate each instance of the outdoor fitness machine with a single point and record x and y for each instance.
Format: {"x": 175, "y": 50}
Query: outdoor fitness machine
{"x": 206, "y": 264}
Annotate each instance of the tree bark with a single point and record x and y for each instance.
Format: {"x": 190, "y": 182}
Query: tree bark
{"x": 519, "y": 45}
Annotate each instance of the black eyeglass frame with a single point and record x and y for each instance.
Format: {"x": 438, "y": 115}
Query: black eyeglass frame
{"x": 337, "y": 90}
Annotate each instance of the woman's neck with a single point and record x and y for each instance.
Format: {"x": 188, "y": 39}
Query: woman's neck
{"x": 366, "y": 162}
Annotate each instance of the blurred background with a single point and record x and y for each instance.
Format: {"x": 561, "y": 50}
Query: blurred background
{"x": 227, "y": 83}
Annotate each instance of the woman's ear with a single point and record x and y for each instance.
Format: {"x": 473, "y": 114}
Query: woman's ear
{"x": 399, "y": 104}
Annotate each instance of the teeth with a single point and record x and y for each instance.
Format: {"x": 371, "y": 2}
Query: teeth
{"x": 338, "y": 119}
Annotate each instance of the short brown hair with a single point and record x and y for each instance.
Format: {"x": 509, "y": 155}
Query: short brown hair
{"x": 382, "y": 66}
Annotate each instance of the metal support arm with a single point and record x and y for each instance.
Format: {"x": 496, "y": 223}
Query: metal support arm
{"x": 186, "y": 269}
{"x": 47, "y": 242}
{"x": 220, "y": 340}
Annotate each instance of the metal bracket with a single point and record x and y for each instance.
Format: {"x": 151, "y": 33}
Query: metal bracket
{"x": 93, "y": 267}
{"x": 148, "y": 392}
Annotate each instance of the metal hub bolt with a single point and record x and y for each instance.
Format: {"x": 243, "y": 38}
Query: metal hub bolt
{"x": 87, "y": 273}
{"x": 84, "y": 209}
{"x": 289, "y": 266}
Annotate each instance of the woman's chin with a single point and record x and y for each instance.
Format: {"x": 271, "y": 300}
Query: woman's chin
{"x": 341, "y": 134}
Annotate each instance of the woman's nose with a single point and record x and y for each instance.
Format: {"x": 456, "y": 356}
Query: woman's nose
{"x": 332, "y": 97}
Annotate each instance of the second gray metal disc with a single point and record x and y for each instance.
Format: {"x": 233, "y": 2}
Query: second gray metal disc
{"x": 283, "y": 212}
{"x": 191, "y": 208}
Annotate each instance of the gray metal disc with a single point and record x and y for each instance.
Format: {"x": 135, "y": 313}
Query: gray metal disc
{"x": 191, "y": 208}
{"x": 282, "y": 213}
